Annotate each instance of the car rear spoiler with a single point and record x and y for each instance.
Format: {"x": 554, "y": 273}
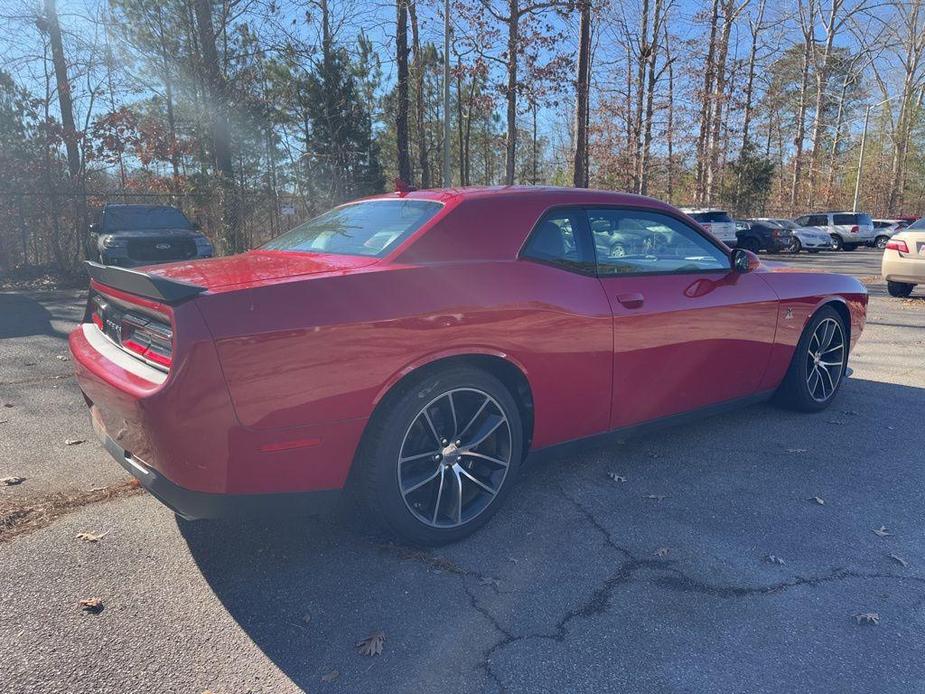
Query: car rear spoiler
{"x": 151, "y": 286}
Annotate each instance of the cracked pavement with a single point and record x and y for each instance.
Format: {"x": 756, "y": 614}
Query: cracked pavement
{"x": 580, "y": 583}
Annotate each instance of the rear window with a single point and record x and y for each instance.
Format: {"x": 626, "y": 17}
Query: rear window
{"x": 137, "y": 217}
{"x": 714, "y": 217}
{"x": 369, "y": 228}
{"x": 917, "y": 224}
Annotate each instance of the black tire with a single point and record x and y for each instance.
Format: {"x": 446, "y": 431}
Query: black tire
{"x": 881, "y": 241}
{"x": 899, "y": 289}
{"x": 378, "y": 476}
{"x": 794, "y": 391}
{"x": 796, "y": 246}
{"x": 837, "y": 243}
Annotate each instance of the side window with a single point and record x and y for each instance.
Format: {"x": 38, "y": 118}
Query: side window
{"x": 818, "y": 220}
{"x": 848, "y": 219}
{"x": 636, "y": 241}
{"x": 558, "y": 240}
{"x": 802, "y": 221}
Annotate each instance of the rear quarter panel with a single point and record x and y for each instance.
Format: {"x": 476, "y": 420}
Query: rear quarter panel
{"x": 801, "y": 295}
{"x": 326, "y": 349}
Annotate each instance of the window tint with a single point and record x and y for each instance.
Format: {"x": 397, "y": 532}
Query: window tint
{"x": 634, "y": 241}
{"x": 802, "y": 221}
{"x": 134, "y": 217}
{"x": 917, "y": 224}
{"x": 849, "y": 219}
{"x": 863, "y": 219}
{"x": 557, "y": 239}
{"x": 818, "y": 220}
{"x": 362, "y": 228}
{"x": 717, "y": 217}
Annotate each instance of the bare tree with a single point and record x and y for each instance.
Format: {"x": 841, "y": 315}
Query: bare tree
{"x": 582, "y": 88}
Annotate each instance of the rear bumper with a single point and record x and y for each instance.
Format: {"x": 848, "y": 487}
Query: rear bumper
{"x": 193, "y": 505}
{"x": 897, "y": 268}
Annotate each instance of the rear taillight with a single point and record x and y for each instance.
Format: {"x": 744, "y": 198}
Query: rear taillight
{"x": 855, "y": 229}
{"x": 146, "y": 335}
{"x": 897, "y": 245}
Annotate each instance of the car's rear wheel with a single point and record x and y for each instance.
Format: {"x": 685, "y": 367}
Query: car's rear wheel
{"x": 796, "y": 245}
{"x": 837, "y": 243}
{"x": 882, "y": 241}
{"x": 440, "y": 460}
{"x": 819, "y": 363}
{"x": 899, "y": 289}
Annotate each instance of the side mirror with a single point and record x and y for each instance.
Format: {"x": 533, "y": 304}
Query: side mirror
{"x": 744, "y": 261}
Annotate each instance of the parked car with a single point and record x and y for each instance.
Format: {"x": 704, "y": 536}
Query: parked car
{"x": 885, "y": 228}
{"x": 903, "y": 264}
{"x": 848, "y": 230}
{"x": 133, "y": 235}
{"x": 759, "y": 235}
{"x": 417, "y": 358}
{"x": 812, "y": 239}
{"x": 717, "y": 222}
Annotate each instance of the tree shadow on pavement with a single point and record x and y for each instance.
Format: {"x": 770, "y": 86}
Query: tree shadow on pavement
{"x": 24, "y": 316}
{"x": 548, "y": 566}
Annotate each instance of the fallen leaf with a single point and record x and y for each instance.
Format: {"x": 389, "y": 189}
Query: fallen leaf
{"x": 882, "y": 531}
{"x": 655, "y": 497}
{"x": 615, "y": 477}
{"x": 653, "y": 454}
{"x": 850, "y": 413}
{"x": 61, "y": 357}
{"x": 306, "y": 618}
{"x": 774, "y": 559}
{"x": 74, "y": 442}
{"x": 835, "y": 421}
{"x": 898, "y": 559}
{"x": 662, "y": 552}
{"x": 796, "y": 450}
{"x": 818, "y": 499}
{"x": 91, "y": 537}
{"x": 134, "y": 483}
{"x": 92, "y": 605}
{"x": 4, "y": 421}
{"x": 8, "y": 404}
{"x": 330, "y": 676}
{"x": 29, "y": 363}
{"x": 867, "y": 618}
{"x": 11, "y": 481}
{"x": 372, "y": 644}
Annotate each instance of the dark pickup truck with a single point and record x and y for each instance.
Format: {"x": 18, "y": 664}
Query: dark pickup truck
{"x": 133, "y": 235}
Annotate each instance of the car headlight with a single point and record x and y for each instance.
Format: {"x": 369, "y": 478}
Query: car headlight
{"x": 111, "y": 242}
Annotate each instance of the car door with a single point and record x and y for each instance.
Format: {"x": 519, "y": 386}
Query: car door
{"x": 688, "y": 331}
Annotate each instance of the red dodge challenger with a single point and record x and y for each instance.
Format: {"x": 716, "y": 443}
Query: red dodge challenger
{"x": 415, "y": 347}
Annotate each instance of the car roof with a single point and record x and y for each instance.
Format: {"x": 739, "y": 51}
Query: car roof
{"x": 553, "y": 194}
{"x": 137, "y": 205}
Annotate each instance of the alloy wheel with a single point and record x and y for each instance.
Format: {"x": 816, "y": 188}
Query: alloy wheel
{"x": 454, "y": 457}
{"x": 825, "y": 359}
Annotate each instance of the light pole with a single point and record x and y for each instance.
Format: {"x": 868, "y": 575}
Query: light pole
{"x": 857, "y": 183}
{"x": 446, "y": 94}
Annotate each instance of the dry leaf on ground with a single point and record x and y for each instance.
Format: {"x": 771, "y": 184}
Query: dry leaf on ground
{"x": 10, "y": 481}
{"x": 91, "y": 537}
{"x": 74, "y": 442}
{"x": 490, "y": 581}
{"x": 92, "y": 605}
{"x": 615, "y": 477}
{"x": 330, "y": 676}
{"x": 662, "y": 552}
{"x": 372, "y": 644}
{"x": 796, "y": 450}
{"x": 898, "y": 559}
{"x": 774, "y": 559}
{"x": 882, "y": 531}
{"x": 655, "y": 497}
{"x": 62, "y": 357}
{"x": 817, "y": 499}
{"x": 867, "y": 618}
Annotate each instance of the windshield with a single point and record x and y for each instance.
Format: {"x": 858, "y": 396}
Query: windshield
{"x": 714, "y": 217}
{"x": 129, "y": 217}
{"x": 362, "y": 228}
{"x": 917, "y": 224}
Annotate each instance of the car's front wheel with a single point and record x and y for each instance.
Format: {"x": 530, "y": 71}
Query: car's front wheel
{"x": 796, "y": 245}
{"x": 439, "y": 461}
{"x": 899, "y": 289}
{"x": 818, "y": 365}
{"x": 837, "y": 243}
{"x": 882, "y": 241}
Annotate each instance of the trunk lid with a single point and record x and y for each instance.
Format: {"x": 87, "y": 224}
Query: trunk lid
{"x": 256, "y": 267}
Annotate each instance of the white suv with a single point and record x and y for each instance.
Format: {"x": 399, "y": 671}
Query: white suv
{"x": 717, "y": 222}
{"x": 847, "y": 229}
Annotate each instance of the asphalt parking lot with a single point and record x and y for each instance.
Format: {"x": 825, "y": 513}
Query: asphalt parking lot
{"x": 712, "y": 567}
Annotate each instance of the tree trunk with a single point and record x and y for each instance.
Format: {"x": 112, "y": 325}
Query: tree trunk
{"x": 219, "y": 126}
{"x": 419, "y": 115}
{"x": 401, "y": 117}
{"x": 580, "y": 173}
{"x": 706, "y": 105}
{"x": 801, "y": 109}
{"x": 513, "y": 43}
{"x": 63, "y": 84}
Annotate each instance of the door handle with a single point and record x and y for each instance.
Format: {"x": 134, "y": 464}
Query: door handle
{"x": 631, "y": 299}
